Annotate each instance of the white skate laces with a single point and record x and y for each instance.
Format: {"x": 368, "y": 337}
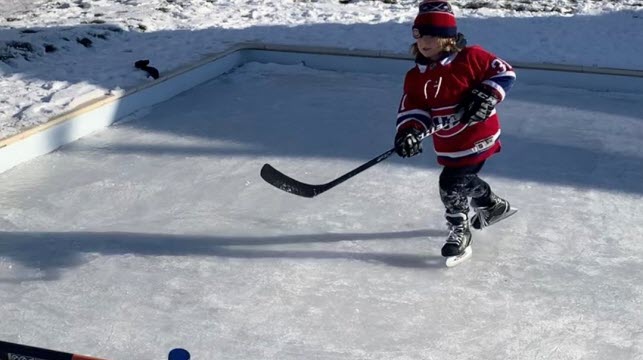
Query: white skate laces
{"x": 457, "y": 230}
{"x": 482, "y": 213}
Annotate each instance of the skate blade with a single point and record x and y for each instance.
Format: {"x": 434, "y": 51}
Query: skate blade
{"x": 452, "y": 261}
{"x": 506, "y": 215}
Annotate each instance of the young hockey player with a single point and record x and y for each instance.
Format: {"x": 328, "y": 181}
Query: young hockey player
{"x": 453, "y": 90}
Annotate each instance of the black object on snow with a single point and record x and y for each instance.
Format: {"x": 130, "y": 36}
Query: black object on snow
{"x": 151, "y": 71}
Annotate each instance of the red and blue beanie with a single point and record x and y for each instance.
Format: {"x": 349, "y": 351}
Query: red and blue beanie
{"x": 436, "y": 18}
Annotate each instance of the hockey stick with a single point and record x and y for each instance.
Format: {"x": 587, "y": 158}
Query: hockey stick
{"x": 284, "y": 182}
{"x": 17, "y": 351}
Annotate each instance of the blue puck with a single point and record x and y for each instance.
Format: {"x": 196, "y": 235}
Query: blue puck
{"x": 178, "y": 354}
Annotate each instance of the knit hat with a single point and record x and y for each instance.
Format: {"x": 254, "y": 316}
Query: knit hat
{"x": 435, "y": 18}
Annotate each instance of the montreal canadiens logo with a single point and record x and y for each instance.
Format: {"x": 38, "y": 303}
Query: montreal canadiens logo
{"x": 451, "y": 126}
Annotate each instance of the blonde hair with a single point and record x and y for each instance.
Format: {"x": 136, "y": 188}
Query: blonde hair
{"x": 448, "y": 45}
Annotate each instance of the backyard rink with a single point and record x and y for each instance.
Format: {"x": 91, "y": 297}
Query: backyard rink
{"x": 158, "y": 232}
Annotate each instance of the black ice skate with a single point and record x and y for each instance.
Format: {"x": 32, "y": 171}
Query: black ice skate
{"x": 489, "y": 215}
{"x": 457, "y": 249}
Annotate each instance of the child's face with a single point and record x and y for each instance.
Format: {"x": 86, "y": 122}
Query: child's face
{"x": 429, "y": 46}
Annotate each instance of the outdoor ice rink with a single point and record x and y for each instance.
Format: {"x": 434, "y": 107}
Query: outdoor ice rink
{"x": 159, "y": 233}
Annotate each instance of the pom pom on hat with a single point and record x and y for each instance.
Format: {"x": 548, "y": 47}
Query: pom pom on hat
{"x": 435, "y": 18}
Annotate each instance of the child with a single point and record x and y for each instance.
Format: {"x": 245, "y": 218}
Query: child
{"x": 454, "y": 89}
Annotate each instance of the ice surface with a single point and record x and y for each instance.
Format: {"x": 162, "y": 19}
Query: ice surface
{"x": 159, "y": 233}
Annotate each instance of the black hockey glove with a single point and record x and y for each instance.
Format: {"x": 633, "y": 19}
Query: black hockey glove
{"x": 408, "y": 142}
{"x": 479, "y": 105}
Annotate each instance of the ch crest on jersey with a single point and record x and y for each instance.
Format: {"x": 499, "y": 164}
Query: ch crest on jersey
{"x": 450, "y": 125}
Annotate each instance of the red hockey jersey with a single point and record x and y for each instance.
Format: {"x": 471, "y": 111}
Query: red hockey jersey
{"x": 432, "y": 92}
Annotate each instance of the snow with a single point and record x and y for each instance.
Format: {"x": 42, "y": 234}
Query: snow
{"x": 46, "y": 70}
{"x": 157, "y": 233}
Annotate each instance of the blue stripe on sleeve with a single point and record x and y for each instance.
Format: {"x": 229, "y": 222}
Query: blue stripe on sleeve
{"x": 506, "y": 82}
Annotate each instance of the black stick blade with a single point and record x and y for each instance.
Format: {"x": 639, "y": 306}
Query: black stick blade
{"x": 284, "y": 182}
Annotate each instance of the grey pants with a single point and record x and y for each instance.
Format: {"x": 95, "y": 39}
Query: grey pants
{"x": 458, "y": 184}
